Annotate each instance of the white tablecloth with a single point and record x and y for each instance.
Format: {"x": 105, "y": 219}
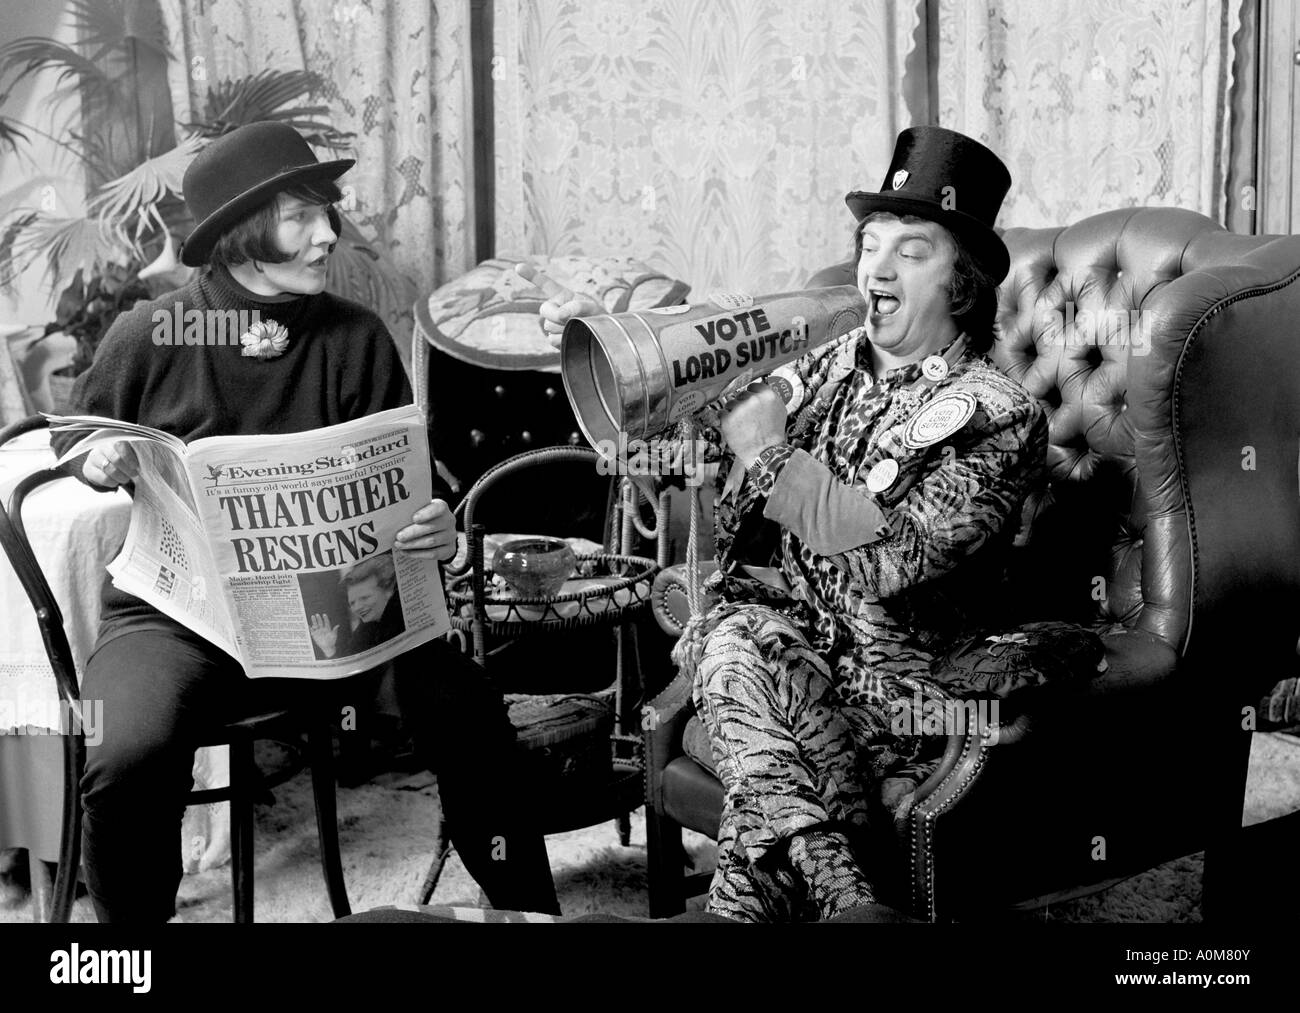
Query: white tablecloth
{"x": 74, "y": 532}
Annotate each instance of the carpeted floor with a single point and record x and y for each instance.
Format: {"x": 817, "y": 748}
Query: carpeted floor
{"x": 385, "y": 829}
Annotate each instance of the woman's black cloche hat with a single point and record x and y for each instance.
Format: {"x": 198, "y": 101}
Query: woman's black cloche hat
{"x": 945, "y": 177}
{"x": 240, "y": 171}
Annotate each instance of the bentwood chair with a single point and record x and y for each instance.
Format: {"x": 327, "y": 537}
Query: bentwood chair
{"x": 246, "y": 783}
{"x": 1170, "y": 523}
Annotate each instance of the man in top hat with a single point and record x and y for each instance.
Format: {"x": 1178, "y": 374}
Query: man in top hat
{"x": 867, "y": 494}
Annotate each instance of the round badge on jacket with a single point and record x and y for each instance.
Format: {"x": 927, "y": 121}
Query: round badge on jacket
{"x": 938, "y": 419}
{"x": 785, "y": 381}
{"x": 882, "y": 476}
{"x": 935, "y": 367}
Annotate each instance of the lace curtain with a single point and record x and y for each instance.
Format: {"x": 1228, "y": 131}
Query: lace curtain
{"x": 1094, "y": 104}
{"x": 713, "y": 139}
{"x": 397, "y": 74}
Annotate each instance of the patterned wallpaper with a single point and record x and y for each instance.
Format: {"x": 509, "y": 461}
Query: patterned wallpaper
{"x": 397, "y": 74}
{"x": 1094, "y": 104}
{"x": 714, "y": 139}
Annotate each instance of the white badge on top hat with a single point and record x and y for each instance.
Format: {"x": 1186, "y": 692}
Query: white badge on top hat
{"x": 882, "y": 476}
{"x": 935, "y": 367}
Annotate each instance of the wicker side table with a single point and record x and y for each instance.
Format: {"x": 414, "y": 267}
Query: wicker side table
{"x": 586, "y": 747}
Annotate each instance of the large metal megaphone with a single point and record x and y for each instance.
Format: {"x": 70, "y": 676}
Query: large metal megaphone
{"x": 636, "y": 374}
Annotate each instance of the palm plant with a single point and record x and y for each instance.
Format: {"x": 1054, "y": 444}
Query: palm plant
{"x": 264, "y": 96}
{"x": 10, "y": 134}
{"x": 99, "y": 116}
{"x": 119, "y": 129}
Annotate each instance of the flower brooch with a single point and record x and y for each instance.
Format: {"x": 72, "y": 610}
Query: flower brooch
{"x": 264, "y": 340}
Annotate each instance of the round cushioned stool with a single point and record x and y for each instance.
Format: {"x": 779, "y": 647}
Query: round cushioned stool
{"x": 569, "y": 760}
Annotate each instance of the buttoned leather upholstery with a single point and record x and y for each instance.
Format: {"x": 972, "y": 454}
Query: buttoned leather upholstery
{"x": 1164, "y": 351}
{"x": 1115, "y": 269}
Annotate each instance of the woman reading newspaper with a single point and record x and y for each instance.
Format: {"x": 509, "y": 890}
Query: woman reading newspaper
{"x": 266, "y": 228}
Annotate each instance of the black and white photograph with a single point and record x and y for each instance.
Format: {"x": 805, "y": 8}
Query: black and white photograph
{"x": 960, "y": 591}
{"x": 351, "y": 611}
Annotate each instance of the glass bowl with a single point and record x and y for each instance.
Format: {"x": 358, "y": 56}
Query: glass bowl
{"x": 535, "y": 567}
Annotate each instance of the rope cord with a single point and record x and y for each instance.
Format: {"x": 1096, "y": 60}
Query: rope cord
{"x": 692, "y": 538}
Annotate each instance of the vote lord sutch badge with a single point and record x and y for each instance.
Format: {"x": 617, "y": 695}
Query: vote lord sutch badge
{"x": 882, "y": 476}
{"x": 938, "y": 419}
{"x": 789, "y": 388}
{"x": 688, "y": 404}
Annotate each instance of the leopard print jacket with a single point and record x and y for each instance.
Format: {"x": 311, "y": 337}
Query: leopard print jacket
{"x": 888, "y": 606}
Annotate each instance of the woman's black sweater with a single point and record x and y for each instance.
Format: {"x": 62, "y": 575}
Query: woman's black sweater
{"x": 340, "y": 364}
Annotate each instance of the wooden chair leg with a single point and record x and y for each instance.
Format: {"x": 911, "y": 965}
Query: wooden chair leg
{"x": 42, "y": 885}
{"x": 1243, "y": 894}
{"x": 1229, "y": 876}
{"x": 631, "y": 690}
{"x": 241, "y": 828}
{"x": 442, "y": 847}
{"x": 666, "y": 865}
{"x": 64, "y": 891}
{"x": 354, "y": 758}
{"x": 320, "y": 747}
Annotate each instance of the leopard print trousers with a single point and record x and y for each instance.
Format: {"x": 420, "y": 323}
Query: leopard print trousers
{"x": 793, "y": 759}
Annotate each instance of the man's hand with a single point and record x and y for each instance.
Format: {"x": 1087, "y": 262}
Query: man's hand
{"x": 561, "y": 305}
{"x": 754, "y": 421}
{"x": 112, "y": 465}
{"x": 432, "y": 532}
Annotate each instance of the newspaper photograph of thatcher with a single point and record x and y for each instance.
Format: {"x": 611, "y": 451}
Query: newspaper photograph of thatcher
{"x": 280, "y": 549}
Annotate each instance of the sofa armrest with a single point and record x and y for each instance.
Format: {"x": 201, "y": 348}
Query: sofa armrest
{"x": 669, "y": 600}
{"x": 663, "y": 720}
{"x": 960, "y": 743}
{"x": 1229, "y": 388}
{"x": 1138, "y": 662}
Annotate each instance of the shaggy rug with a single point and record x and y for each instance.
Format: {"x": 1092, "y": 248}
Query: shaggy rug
{"x": 386, "y": 826}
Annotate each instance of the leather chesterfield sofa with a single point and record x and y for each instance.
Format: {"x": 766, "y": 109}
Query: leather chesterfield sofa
{"x": 1173, "y": 479}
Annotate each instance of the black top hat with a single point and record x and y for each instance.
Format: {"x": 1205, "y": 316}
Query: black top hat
{"x": 945, "y": 177}
{"x": 242, "y": 170}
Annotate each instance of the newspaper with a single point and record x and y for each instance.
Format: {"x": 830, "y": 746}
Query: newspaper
{"x": 280, "y": 549}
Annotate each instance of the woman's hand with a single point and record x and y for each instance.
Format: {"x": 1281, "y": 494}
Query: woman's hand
{"x": 323, "y": 635}
{"x": 753, "y": 421}
{"x": 432, "y": 532}
{"x": 111, "y": 465}
{"x": 561, "y": 305}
